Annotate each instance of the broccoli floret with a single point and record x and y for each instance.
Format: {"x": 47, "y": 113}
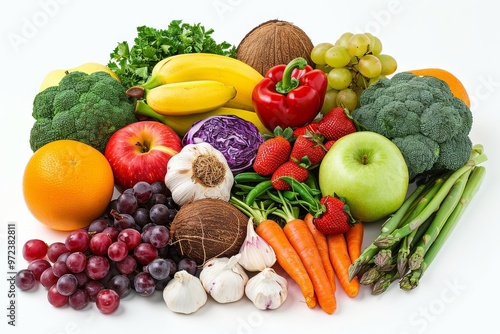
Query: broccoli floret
{"x": 84, "y": 107}
{"x": 422, "y": 117}
{"x": 419, "y": 151}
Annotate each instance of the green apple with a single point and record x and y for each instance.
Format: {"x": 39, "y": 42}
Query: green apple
{"x": 369, "y": 171}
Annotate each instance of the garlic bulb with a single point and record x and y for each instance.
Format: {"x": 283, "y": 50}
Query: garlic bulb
{"x": 256, "y": 253}
{"x": 198, "y": 171}
{"x": 224, "y": 279}
{"x": 267, "y": 290}
{"x": 184, "y": 293}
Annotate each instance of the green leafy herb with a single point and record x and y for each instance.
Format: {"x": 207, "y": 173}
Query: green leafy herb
{"x": 133, "y": 64}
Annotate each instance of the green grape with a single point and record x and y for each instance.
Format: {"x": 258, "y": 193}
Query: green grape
{"x": 375, "y": 44}
{"x": 330, "y": 101}
{"x": 370, "y": 66}
{"x": 318, "y": 53}
{"x": 347, "y": 98}
{"x": 377, "y": 47}
{"x": 337, "y": 56}
{"x": 357, "y": 45}
{"x": 373, "y": 80}
{"x": 389, "y": 64}
{"x": 343, "y": 39}
{"x": 339, "y": 78}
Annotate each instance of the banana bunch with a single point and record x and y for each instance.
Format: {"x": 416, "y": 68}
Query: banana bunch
{"x": 188, "y": 87}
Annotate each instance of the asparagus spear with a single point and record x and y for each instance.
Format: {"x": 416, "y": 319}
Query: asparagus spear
{"x": 385, "y": 280}
{"x": 477, "y": 157}
{"x": 390, "y": 225}
{"x": 444, "y": 211}
{"x": 412, "y": 279}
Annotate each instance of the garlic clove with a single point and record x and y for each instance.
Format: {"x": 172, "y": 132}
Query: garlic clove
{"x": 256, "y": 253}
{"x": 184, "y": 293}
{"x": 224, "y": 279}
{"x": 267, "y": 290}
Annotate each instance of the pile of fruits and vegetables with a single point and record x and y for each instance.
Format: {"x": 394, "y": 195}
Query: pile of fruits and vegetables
{"x": 185, "y": 163}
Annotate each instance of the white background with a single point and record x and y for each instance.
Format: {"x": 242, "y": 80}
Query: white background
{"x": 457, "y": 293}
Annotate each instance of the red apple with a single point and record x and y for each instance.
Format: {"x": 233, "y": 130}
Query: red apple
{"x": 140, "y": 152}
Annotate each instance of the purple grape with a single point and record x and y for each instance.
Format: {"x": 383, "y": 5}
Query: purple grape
{"x": 141, "y": 217}
{"x": 159, "y": 268}
{"x": 107, "y": 301}
{"x": 144, "y": 284}
{"x": 67, "y": 284}
{"x": 93, "y": 288}
{"x": 100, "y": 243}
{"x": 38, "y": 266}
{"x": 159, "y": 187}
{"x": 79, "y": 299}
{"x": 123, "y": 221}
{"x": 60, "y": 268}
{"x": 188, "y": 265}
{"x": 34, "y": 249}
{"x": 117, "y": 251}
{"x": 55, "y": 298}
{"x": 55, "y": 250}
{"x": 159, "y": 237}
{"x": 131, "y": 237}
{"x": 127, "y": 265}
{"x": 126, "y": 203}
{"x": 112, "y": 232}
{"x": 98, "y": 225}
{"x": 145, "y": 253}
{"x": 25, "y": 279}
{"x": 159, "y": 214}
{"x": 82, "y": 279}
{"x": 47, "y": 279}
{"x": 97, "y": 267}
{"x": 160, "y": 285}
{"x": 120, "y": 284}
{"x": 76, "y": 262}
{"x": 157, "y": 199}
{"x": 142, "y": 190}
{"x": 77, "y": 241}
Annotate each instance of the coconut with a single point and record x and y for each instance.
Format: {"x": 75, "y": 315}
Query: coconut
{"x": 273, "y": 43}
{"x": 208, "y": 228}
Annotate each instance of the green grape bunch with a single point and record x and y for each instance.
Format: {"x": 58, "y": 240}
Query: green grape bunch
{"x": 352, "y": 63}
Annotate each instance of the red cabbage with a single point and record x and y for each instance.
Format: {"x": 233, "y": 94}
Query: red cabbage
{"x": 236, "y": 138}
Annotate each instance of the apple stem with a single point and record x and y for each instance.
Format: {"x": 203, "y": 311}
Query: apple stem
{"x": 142, "y": 147}
{"x": 365, "y": 159}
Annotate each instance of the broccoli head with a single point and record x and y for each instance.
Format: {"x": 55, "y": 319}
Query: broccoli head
{"x": 84, "y": 107}
{"x": 422, "y": 117}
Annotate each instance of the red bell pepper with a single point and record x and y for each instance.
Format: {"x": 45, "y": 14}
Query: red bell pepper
{"x": 290, "y": 95}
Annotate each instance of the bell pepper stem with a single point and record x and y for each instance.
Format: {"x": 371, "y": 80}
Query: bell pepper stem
{"x": 289, "y": 83}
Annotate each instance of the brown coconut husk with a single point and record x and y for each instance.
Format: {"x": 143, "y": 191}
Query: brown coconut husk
{"x": 208, "y": 228}
{"x": 274, "y": 42}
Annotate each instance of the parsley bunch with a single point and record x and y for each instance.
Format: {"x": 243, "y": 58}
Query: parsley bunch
{"x": 133, "y": 65}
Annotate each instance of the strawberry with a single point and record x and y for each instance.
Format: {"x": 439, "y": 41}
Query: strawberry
{"x": 311, "y": 127}
{"x": 329, "y": 144}
{"x": 336, "y": 218}
{"x": 291, "y": 169}
{"x": 336, "y": 124}
{"x": 273, "y": 152}
{"x": 308, "y": 145}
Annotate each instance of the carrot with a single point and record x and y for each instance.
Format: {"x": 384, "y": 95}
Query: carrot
{"x": 322, "y": 246}
{"x": 287, "y": 258}
{"x": 354, "y": 239}
{"x": 303, "y": 242}
{"x": 456, "y": 86}
{"x": 339, "y": 256}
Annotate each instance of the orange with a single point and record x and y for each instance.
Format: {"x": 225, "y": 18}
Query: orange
{"x": 456, "y": 86}
{"x": 67, "y": 184}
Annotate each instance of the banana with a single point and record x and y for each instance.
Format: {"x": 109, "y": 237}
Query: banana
{"x": 207, "y": 66}
{"x": 181, "y": 124}
{"x": 189, "y": 97}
